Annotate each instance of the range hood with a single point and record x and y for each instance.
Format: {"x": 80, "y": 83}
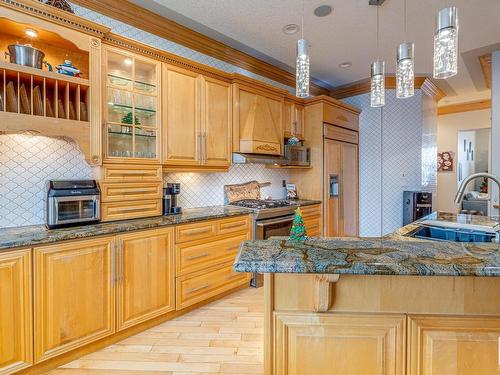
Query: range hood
{"x": 241, "y": 158}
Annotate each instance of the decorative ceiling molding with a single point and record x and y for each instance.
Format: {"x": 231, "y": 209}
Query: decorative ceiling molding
{"x": 464, "y": 107}
{"x": 146, "y": 20}
{"x": 485, "y": 62}
{"x": 362, "y": 87}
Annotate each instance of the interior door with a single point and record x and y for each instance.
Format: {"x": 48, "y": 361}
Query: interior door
{"x": 333, "y": 188}
{"x": 181, "y": 121}
{"x": 350, "y": 189}
{"x": 145, "y": 276}
{"x": 216, "y": 122}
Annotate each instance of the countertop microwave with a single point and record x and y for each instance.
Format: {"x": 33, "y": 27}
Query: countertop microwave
{"x": 298, "y": 155}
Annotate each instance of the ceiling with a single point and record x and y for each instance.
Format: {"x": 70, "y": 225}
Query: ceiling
{"x": 347, "y": 34}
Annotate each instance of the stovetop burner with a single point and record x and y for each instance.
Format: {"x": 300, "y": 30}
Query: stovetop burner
{"x": 262, "y": 204}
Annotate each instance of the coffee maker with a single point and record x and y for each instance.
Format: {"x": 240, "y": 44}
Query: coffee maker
{"x": 170, "y": 199}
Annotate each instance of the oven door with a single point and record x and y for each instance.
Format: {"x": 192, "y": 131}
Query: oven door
{"x": 77, "y": 209}
{"x": 276, "y": 227}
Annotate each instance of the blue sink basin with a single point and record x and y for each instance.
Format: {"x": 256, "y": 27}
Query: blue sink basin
{"x": 452, "y": 234}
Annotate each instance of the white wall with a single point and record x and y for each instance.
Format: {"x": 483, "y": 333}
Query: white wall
{"x": 447, "y": 140}
{"x": 495, "y": 124}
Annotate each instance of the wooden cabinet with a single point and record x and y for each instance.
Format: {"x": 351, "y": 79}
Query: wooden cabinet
{"x": 338, "y": 344}
{"x": 74, "y": 295}
{"x": 132, "y": 110}
{"x": 293, "y": 120}
{"x": 257, "y": 121}
{"x": 312, "y": 217}
{"x": 341, "y": 182}
{"x": 145, "y": 276}
{"x": 16, "y": 324}
{"x": 446, "y": 345}
{"x": 197, "y": 120}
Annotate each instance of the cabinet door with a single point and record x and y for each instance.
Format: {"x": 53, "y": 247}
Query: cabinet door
{"x": 349, "y": 189}
{"x": 181, "y": 116}
{"x": 453, "y": 345}
{"x": 145, "y": 276}
{"x": 16, "y": 347}
{"x": 74, "y": 295}
{"x": 288, "y": 114}
{"x": 329, "y": 344}
{"x": 216, "y": 122}
{"x": 298, "y": 121}
{"x": 333, "y": 188}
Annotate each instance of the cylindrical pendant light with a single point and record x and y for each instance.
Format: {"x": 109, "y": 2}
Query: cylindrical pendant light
{"x": 302, "y": 73}
{"x": 446, "y": 43}
{"x": 377, "y": 90}
{"x": 377, "y": 86}
{"x": 405, "y": 86}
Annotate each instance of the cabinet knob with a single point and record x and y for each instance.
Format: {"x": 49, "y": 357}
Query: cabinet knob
{"x": 95, "y": 159}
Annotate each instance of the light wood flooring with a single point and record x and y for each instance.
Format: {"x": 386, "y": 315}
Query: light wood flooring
{"x": 224, "y": 337}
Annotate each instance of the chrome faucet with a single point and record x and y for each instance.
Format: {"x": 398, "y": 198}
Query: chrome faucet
{"x": 461, "y": 190}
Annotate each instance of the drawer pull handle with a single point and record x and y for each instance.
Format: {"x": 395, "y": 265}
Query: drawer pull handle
{"x": 198, "y": 256}
{"x": 135, "y": 209}
{"x": 204, "y": 286}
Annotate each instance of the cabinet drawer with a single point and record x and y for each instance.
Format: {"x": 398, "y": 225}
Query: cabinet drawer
{"x": 196, "y": 231}
{"x": 314, "y": 210}
{"x": 190, "y": 258}
{"x": 340, "y": 134}
{"x": 131, "y": 173}
{"x": 130, "y": 209}
{"x": 232, "y": 225}
{"x": 112, "y": 192}
{"x": 341, "y": 117}
{"x": 191, "y": 289}
{"x": 313, "y": 226}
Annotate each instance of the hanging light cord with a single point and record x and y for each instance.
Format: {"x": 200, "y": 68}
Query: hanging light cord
{"x": 378, "y": 47}
{"x": 302, "y": 22}
{"x": 405, "y": 23}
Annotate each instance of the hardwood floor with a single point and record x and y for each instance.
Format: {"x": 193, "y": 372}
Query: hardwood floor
{"x": 224, "y": 337}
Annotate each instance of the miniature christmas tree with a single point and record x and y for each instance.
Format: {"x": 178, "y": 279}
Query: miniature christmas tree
{"x": 298, "y": 231}
{"x": 127, "y": 119}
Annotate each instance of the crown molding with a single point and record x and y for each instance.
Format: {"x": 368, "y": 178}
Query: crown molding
{"x": 55, "y": 15}
{"x": 464, "y": 107}
{"x": 426, "y": 84}
{"x": 153, "y": 23}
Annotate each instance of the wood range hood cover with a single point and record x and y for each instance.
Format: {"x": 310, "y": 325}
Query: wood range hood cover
{"x": 259, "y": 123}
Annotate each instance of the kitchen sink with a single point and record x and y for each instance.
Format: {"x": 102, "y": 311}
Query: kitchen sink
{"x": 452, "y": 234}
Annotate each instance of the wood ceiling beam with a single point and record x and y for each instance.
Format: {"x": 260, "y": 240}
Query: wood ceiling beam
{"x": 362, "y": 87}
{"x": 153, "y": 23}
{"x": 485, "y": 62}
{"x": 464, "y": 107}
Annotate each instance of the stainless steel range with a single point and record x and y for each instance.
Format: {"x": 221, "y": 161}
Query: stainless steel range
{"x": 271, "y": 218}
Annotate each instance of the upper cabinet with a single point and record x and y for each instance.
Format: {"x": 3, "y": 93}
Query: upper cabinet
{"x": 196, "y": 120}
{"x": 51, "y": 80}
{"x": 293, "y": 120}
{"x": 258, "y": 121}
{"x": 132, "y": 118}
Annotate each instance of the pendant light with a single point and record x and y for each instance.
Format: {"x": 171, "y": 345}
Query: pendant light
{"x": 405, "y": 85}
{"x": 302, "y": 64}
{"x": 446, "y": 43}
{"x": 377, "y": 88}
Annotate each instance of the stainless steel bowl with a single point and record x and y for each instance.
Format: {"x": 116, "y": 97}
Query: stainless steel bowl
{"x": 25, "y": 55}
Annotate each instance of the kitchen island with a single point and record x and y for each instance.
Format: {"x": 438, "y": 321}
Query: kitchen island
{"x": 392, "y": 305}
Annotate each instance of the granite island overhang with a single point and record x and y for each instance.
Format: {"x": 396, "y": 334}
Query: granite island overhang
{"x": 389, "y": 305}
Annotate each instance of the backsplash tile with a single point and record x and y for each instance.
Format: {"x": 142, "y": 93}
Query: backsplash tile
{"x": 27, "y": 162}
{"x": 206, "y": 189}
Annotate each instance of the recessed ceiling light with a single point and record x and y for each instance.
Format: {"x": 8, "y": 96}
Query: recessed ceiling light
{"x": 346, "y": 64}
{"x": 128, "y": 61}
{"x": 323, "y": 11}
{"x": 31, "y": 33}
{"x": 291, "y": 29}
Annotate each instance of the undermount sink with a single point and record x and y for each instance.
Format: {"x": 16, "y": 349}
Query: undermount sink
{"x": 452, "y": 234}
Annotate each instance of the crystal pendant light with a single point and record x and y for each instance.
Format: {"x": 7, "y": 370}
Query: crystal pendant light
{"x": 377, "y": 92}
{"x": 405, "y": 86}
{"x": 446, "y": 43}
{"x": 302, "y": 63}
{"x": 302, "y": 84}
{"x": 377, "y": 88}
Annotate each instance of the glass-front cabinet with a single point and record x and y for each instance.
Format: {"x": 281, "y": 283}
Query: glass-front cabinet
{"x": 132, "y": 107}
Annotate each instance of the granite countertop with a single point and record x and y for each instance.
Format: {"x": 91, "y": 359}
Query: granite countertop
{"x": 393, "y": 254}
{"x": 35, "y": 235}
